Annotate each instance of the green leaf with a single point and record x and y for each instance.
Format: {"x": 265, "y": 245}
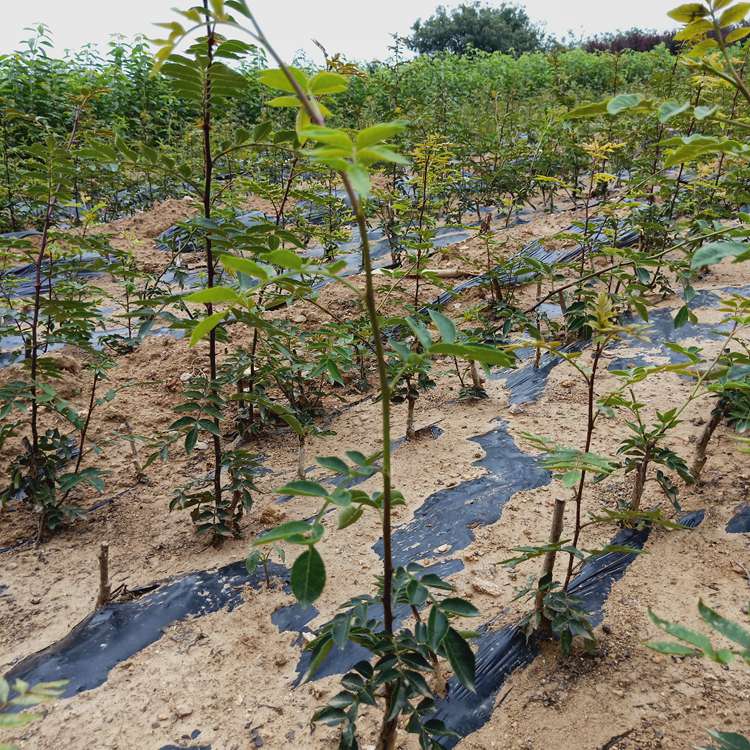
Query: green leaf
{"x": 334, "y": 463}
{"x": 305, "y": 488}
{"x": 215, "y": 295}
{"x": 378, "y": 133}
{"x": 277, "y": 79}
{"x": 206, "y": 326}
{"x": 284, "y": 532}
{"x": 671, "y": 109}
{"x": 329, "y": 136}
{"x": 460, "y": 607}
{"x": 461, "y": 658}
{"x": 360, "y": 179}
{"x": 728, "y": 741}
{"x": 308, "y": 577}
{"x": 243, "y": 265}
{"x": 688, "y": 12}
{"x": 735, "y": 14}
{"x": 437, "y": 627}
{"x": 671, "y": 648}
{"x": 592, "y": 109}
{"x": 714, "y": 252}
{"x": 621, "y": 102}
{"x": 727, "y": 628}
{"x": 349, "y": 515}
{"x": 445, "y": 326}
{"x": 698, "y": 640}
{"x": 682, "y": 317}
{"x": 285, "y": 259}
{"x": 328, "y": 82}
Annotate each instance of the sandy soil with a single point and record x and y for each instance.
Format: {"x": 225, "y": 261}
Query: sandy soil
{"x": 230, "y": 675}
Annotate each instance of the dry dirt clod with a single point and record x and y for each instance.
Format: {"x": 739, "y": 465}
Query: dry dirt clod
{"x": 483, "y": 586}
{"x": 182, "y": 710}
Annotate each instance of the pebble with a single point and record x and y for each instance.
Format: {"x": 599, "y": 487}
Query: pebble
{"x": 516, "y": 408}
{"x": 483, "y": 586}
{"x": 442, "y": 548}
{"x": 201, "y": 446}
{"x": 183, "y": 711}
{"x": 186, "y": 376}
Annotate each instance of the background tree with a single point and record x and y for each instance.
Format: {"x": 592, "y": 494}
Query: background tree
{"x": 475, "y": 26}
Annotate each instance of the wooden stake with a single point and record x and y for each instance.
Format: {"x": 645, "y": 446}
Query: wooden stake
{"x": 105, "y": 590}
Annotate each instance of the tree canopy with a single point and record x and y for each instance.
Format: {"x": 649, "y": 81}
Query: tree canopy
{"x": 475, "y": 26}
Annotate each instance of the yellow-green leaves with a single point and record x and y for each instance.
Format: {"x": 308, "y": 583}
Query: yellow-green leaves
{"x": 327, "y": 82}
{"x": 278, "y": 79}
{"x": 688, "y": 12}
{"x": 378, "y": 133}
{"x": 734, "y": 14}
{"x": 353, "y": 156}
{"x": 613, "y": 106}
{"x": 309, "y": 88}
{"x": 694, "y": 30}
{"x": 621, "y": 102}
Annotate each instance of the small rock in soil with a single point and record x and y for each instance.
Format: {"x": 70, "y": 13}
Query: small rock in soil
{"x": 483, "y": 586}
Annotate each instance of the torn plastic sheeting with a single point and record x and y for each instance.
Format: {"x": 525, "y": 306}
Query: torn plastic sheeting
{"x": 509, "y": 272}
{"x": 525, "y": 384}
{"x": 120, "y": 630}
{"x": 660, "y": 331}
{"x": 500, "y": 652}
{"x": 447, "y": 516}
{"x": 740, "y": 521}
{"x": 20, "y": 281}
{"x": 13, "y": 347}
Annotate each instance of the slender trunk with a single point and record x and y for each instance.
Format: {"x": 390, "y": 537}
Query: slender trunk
{"x": 208, "y": 165}
{"x": 411, "y": 402}
{"x": 301, "y": 457}
{"x": 590, "y": 424}
{"x": 388, "y": 730}
{"x": 640, "y": 481}
{"x": 8, "y": 181}
{"x": 548, "y": 566}
{"x": 691, "y": 127}
{"x": 699, "y": 461}
{"x": 52, "y": 194}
